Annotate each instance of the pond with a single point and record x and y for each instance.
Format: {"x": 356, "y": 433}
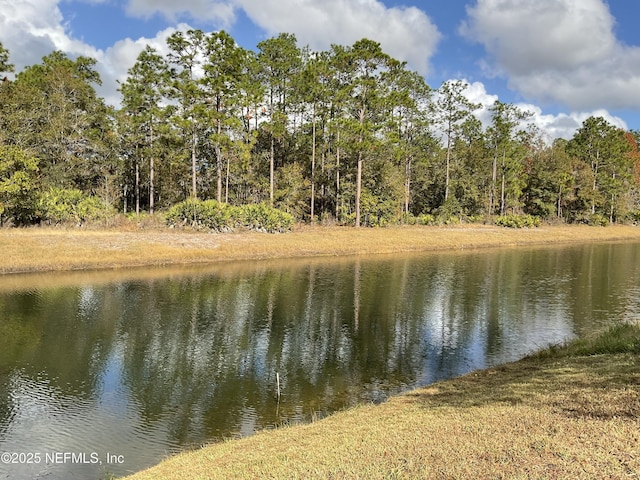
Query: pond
{"x": 106, "y": 373}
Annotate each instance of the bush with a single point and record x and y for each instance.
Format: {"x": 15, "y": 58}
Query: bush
{"x": 18, "y": 186}
{"x": 264, "y": 218}
{"x": 426, "y": 219}
{"x": 408, "y": 218}
{"x": 594, "y": 219}
{"x": 518, "y": 221}
{"x": 220, "y": 217}
{"x": 60, "y": 205}
{"x": 633, "y": 217}
{"x": 204, "y": 214}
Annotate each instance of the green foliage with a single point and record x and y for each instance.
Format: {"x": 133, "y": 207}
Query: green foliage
{"x": 292, "y": 194}
{"x": 349, "y": 132}
{"x": 54, "y": 110}
{"x": 59, "y": 205}
{"x": 18, "y": 185}
{"x": 5, "y": 66}
{"x": 450, "y": 212}
{"x": 518, "y": 221}
{"x": 263, "y": 218}
{"x": 426, "y": 219}
{"x": 203, "y": 214}
{"x": 220, "y": 217}
{"x": 633, "y": 217}
{"x": 408, "y": 219}
{"x": 593, "y": 219}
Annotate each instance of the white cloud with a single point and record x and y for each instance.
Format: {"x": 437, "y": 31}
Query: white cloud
{"x": 565, "y": 125}
{"x": 116, "y": 60}
{"x": 562, "y": 125}
{"x": 211, "y": 10}
{"x": 31, "y": 29}
{"x": 558, "y": 51}
{"x": 405, "y": 33}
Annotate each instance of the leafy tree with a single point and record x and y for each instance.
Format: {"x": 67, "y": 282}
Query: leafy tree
{"x": 5, "y": 66}
{"x": 313, "y": 86}
{"x": 550, "y": 191}
{"x": 224, "y": 69}
{"x": 366, "y": 62}
{"x": 280, "y": 61}
{"x": 605, "y": 149}
{"x": 18, "y": 185}
{"x": 451, "y": 109}
{"x": 470, "y": 171}
{"x": 508, "y": 140}
{"x": 55, "y": 111}
{"x": 408, "y": 123}
{"x": 143, "y": 93}
{"x": 187, "y": 52}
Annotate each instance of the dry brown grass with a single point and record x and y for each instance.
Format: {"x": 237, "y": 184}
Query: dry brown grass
{"x": 36, "y": 249}
{"x": 573, "y": 418}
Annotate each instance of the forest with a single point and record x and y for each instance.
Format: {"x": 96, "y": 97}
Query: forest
{"x": 348, "y": 136}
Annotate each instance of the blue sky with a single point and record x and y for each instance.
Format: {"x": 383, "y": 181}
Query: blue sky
{"x": 563, "y": 60}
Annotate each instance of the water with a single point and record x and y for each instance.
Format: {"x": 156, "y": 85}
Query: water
{"x": 107, "y": 373}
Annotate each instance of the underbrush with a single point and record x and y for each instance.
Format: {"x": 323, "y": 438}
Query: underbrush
{"x": 221, "y": 217}
{"x": 518, "y": 221}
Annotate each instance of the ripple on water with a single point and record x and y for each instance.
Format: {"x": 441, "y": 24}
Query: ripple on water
{"x": 42, "y": 418}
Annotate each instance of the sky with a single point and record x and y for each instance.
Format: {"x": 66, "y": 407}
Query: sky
{"x": 561, "y": 60}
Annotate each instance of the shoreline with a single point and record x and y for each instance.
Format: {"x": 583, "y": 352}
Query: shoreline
{"x": 564, "y": 412}
{"x": 39, "y": 250}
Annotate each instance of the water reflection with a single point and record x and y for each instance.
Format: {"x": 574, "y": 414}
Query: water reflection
{"x": 142, "y": 367}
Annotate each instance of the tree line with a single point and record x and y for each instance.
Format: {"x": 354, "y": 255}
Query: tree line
{"x": 349, "y": 135}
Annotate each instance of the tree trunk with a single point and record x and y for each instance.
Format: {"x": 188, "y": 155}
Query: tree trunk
{"x": 194, "y": 192}
{"x": 446, "y": 182}
{"x": 271, "y": 169}
{"x": 219, "y": 160}
{"x": 363, "y": 112}
{"x": 407, "y": 184}
{"x": 338, "y": 176}
{"x": 137, "y": 188}
{"x": 358, "y": 189}
{"x": 151, "y": 186}
{"x": 502, "y": 190}
{"x": 313, "y": 165}
{"x": 226, "y": 181}
{"x": 151, "y": 175}
{"x": 494, "y": 179}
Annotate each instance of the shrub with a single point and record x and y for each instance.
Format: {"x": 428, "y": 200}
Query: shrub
{"x": 220, "y": 217}
{"x": 60, "y": 205}
{"x": 18, "y": 185}
{"x": 593, "y": 219}
{"x": 426, "y": 219}
{"x": 518, "y": 221}
{"x": 633, "y": 217}
{"x": 408, "y": 219}
{"x": 205, "y": 214}
{"x": 264, "y": 218}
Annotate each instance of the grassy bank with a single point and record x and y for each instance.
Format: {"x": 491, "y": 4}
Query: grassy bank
{"x": 43, "y": 249}
{"x": 568, "y": 412}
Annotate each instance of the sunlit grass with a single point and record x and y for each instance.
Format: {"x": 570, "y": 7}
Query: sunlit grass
{"x": 572, "y": 414}
{"x": 45, "y": 249}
